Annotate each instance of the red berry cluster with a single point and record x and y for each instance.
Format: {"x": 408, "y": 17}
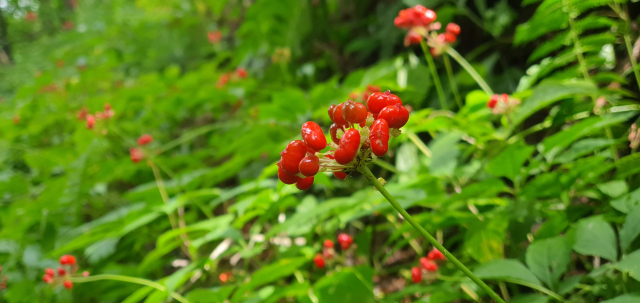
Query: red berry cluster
{"x": 225, "y": 277}
{"x": 83, "y": 115}
{"x": 417, "y": 16}
{"x": 328, "y": 252}
{"x": 240, "y": 73}
{"x": 136, "y": 153}
{"x": 420, "y": 23}
{"x": 214, "y": 36}
{"x": 67, "y": 268}
{"x": 427, "y": 264}
{"x": 365, "y": 95}
{"x": 357, "y": 132}
{"x": 502, "y": 104}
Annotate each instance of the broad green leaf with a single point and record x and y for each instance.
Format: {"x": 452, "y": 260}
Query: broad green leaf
{"x": 530, "y": 298}
{"x": 631, "y": 264}
{"x": 510, "y": 161}
{"x": 268, "y": 274}
{"x": 583, "y": 147}
{"x": 444, "y": 154}
{"x": 630, "y": 229}
{"x": 627, "y": 202}
{"x": 552, "y": 227}
{"x": 348, "y": 285}
{"x": 506, "y": 270}
{"x": 595, "y": 237}
{"x": 211, "y": 295}
{"x": 614, "y": 188}
{"x": 626, "y": 298}
{"x": 548, "y": 259}
{"x": 484, "y": 241}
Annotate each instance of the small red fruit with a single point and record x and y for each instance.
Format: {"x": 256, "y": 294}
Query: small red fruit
{"x": 47, "y": 278}
{"x": 449, "y": 37}
{"x": 145, "y": 139}
{"x": 241, "y": 72}
{"x": 85, "y": 273}
{"x": 285, "y": 177}
{"x": 223, "y": 277}
{"x": 397, "y": 116}
{"x": 319, "y": 261}
{"x": 61, "y": 271}
{"x": 214, "y": 36}
{"x": 378, "y": 101}
{"x": 313, "y": 136}
{"x": 492, "y": 102}
{"x": 91, "y": 121}
{"x": 412, "y": 38}
{"x": 348, "y": 147}
{"x": 107, "y": 106}
{"x": 328, "y": 243}
{"x": 292, "y": 155}
{"x": 345, "y": 240}
{"x": 136, "y": 155}
{"x": 310, "y": 165}
{"x": 416, "y": 275}
{"x": 379, "y": 137}
{"x": 453, "y": 28}
{"x": 49, "y": 272}
{"x": 333, "y": 131}
{"x": 67, "y": 260}
{"x": 304, "y": 184}
{"x": 435, "y": 254}
{"x": 354, "y": 112}
{"x": 428, "y": 265}
{"x": 68, "y": 284}
{"x": 340, "y": 175}
{"x": 373, "y": 88}
{"x": 337, "y": 115}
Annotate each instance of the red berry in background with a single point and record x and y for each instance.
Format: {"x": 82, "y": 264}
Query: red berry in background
{"x": 412, "y": 38}
{"x": 310, "y": 165}
{"x": 379, "y": 137}
{"x": 345, "y": 240}
{"x": 327, "y": 243}
{"x": 319, "y": 261}
{"x": 492, "y": 102}
{"x": 333, "y": 131}
{"x": 47, "y": 278}
{"x": 304, "y": 184}
{"x": 313, "y": 136}
{"x": 145, "y": 139}
{"x": 107, "y": 106}
{"x": 373, "y": 88}
{"x": 449, "y": 37}
{"x": 416, "y": 275}
{"x": 428, "y": 265}
{"x": 61, "y": 271}
{"x": 327, "y": 253}
{"x": 16, "y": 120}
{"x": 354, "y": 112}
{"x": 453, "y": 28}
{"x": 67, "y": 260}
{"x": 91, "y": 121}
{"x": 435, "y": 254}
{"x": 340, "y": 175}
{"x": 136, "y": 155}
{"x": 292, "y": 155}
{"x": 505, "y": 98}
{"x": 348, "y": 147}
{"x": 85, "y": 273}
{"x": 337, "y": 115}
{"x": 223, "y": 277}
{"x": 285, "y": 177}
{"x": 241, "y": 72}
{"x": 82, "y": 114}
{"x": 214, "y": 36}
{"x": 49, "y": 272}
{"x": 68, "y": 284}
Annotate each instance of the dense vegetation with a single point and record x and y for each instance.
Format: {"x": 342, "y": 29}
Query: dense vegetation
{"x": 539, "y": 196}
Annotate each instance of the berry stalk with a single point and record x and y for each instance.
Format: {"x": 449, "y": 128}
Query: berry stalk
{"x": 434, "y": 73}
{"x": 372, "y": 179}
{"x": 456, "y": 56}
{"x": 452, "y": 81}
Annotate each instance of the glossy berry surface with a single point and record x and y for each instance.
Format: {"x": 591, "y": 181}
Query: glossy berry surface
{"x": 428, "y": 265}
{"x": 292, "y": 155}
{"x": 395, "y": 115}
{"x": 333, "y": 131}
{"x": 145, "y": 139}
{"x": 68, "y": 284}
{"x": 47, "y": 278}
{"x": 378, "y": 101}
{"x": 313, "y": 136}
{"x": 379, "y": 137}
{"x": 340, "y": 175}
{"x": 136, "y": 154}
{"x": 304, "y": 184}
{"x": 61, "y": 271}
{"x": 319, "y": 261}
{"x": 435, "y": 254}
{"x": 327, "y": 243}
{"x": 449, "y": 37}
{"x": 67, "y": 260}
{"x": 285, "y": 177}
{"x": 416, "y": 275}
{"x": 345, "y": 240}
{"x": 453, "y": 29}
{"x": 348, "y": 147}
{"x": 309, "y": 165}
{"x": 49, "y": 272}
{"x": 354, "y": 112}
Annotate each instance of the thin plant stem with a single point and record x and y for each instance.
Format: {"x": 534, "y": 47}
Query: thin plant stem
{"x": 434, "y": 74}
{"x": 452, "y": 82}
{"x": 634, "y": 63}
{"x": 372, "y": 179}
{"x": 456, "y": 56}
{"x": 134, "y": 280}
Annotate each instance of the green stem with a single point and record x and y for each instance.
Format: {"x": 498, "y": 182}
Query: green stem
{"x": 372, "y": 179}
{"x": 434, "y": 74}
{"x": 485, "y": 87}
{"x": 634, "y": 63}
{"x": 134, "y": 280}
{"x": 452, "y": 82}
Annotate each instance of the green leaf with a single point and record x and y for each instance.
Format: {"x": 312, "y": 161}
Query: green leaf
{"x": 626, "y": 298}
{"x": 548, "y": 259}
{"x": 631, "y": 264}
{"x": 484, "y": 242}
{"x": 444, "y": 152}
{"x": 595, "y": 237}
{"x": 530, "y": 298}
{"x": 583, "y": 147}
{"x": 615, "y": 188}
{"x": 630, "y": 229}
{"x": 506, "y": 269}
{"x": 268, "y": 274}
{"x": 211, "y": 295}
{"x": 510, "y": 161}
{"x": 348, "y": 285}
{"x": 627, "y": 202}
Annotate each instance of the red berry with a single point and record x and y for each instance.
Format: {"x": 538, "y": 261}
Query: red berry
{"x": 68, "y": 284}
{"x": 313, "y": 136}
{"x": 505, "y": 98}
{"x": 442, "y": 38}
{"x": 67, "y": 260}
{"x": 285, "y": 177}
{"x": 319, "y": 261}
{"x": 91, "y": 120}
{"x": 416, "y": 275}
{"x": 327, "y": 253}
{"x": 492, "y": 102}
{"x": 429, "y": 17}
{"x": 47, "y": 278}
{"x": 309, "y": 165}
{"x": 332, "y": 108}
{"x": 435, "y": 254}
{"x": 145, "y": 139}
{"x": 223, "y": 277}
{"x": 428, "y": 265}
{"x": 304, "y": 184}
{"x": 49, "y": 272}
{"x": 412, "y": 38}
{"x": 292, "y": 155}
{"x": 378, "y": 101}
{"x": 136, "y": 154}
{"x": 348, "y": 147}
{"x": 340, "y": 175}
{"x": 241, "y": 72}
{"x": 337, "y": 115}
{"x": 354, "y": 112}
{"x": 345, "y": 240}
{"x": 107, "y": 106}
{"x": 85, "y": 273}
{"x": 373, "y": 88}
{"x": 397, "y": 116}
{"x": 333, "y": 131}
{"x": 453, "y": 28}
{"x": 449, "y": 37}
{"x": 379, "y": 137}
{"x": 82, "y": 114}
{"x": 214, "y": 36}
{"x": 328, "y": 243}
{"x": 61, "y": 271}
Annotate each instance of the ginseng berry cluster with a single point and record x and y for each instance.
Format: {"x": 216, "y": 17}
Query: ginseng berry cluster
{"x": 427, "y": 264}
{"x": 67, "y": 268}
{"x": 328, "y": 251}
{"x": 358, "y": 134}
{"x": 419, "y": 22}
{"x": 83, "y": 115}
{"x": 136, "y": 153}
{"x": 502, "y": 104}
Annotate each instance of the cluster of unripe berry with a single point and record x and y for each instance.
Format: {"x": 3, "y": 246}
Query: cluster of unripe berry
{"x": 67, "y": 268}
{"x": 240, "y": 73}
{"x": 427, "y": 264}
{"x": 83, "y": 115}
{"x": 420, "y": 23}
{"x": 359, "y": 132}
{"x": 328, "y": 252}
{"x": 136, "y": 153}
{"x": 502, "y": 104}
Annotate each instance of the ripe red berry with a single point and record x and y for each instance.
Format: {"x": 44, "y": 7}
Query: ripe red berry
{"x": 309, "y": 165}
{"x": 396, "y": 115}
{"x": 492, "y": 102}
{"x": 313, "y": 136}
{"x": 68, "y": 284}
{"x": 91, "y": 120}
{"x": 241, "y": 72}
{"x": 61, "y": 271}
{"x": 319, "y": 261}
{"x": 47, "y": 278}
{"x": 453, "y": 28}
{"x": 136, "y": 155}
{"x": 378, "y": 101}
{"x": 332, "y": 108}
{"x": 416, "y": 275}
{"x": 145, "y": 139}
{"x": 328, "y": 243}
{"x": 340, "y": 175}
{"x": 82, "y": 114}
{"x": 327, "y": 253}
{"x": 214, "y": 36}
{"x": 348, "y": 147}
{"x": 373, "y": 88}
{"x": 428, "y": 265}
{"x": 505, "y": 98}
{"x": 67, "y": 260}
{"x": 337, "y": 115}
{"x": 412, "y": 38}
{"x": 354, "y": 112}
{"x": 107, "y": 106}
{"x": 292, "y": 155}
{"x": 428, "y": 17}
{"x": 85, "y": 273}
{"x": 449, "y": 37}
{"x": 285, "y": 177}
{"x": 435, "y": 254}
{"x": 345, "y": 240}
{"x": 379, "y": 137}
{"x": 223, "y": 277}
{"x": 49, "y": 272}
{"x": 304, "y": 184}
{"x": 333, "y": 131}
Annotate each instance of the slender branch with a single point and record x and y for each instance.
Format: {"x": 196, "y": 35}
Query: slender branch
{"x": 485, "y": 87}
{"x": 372, "y": 179}
{"x": 452, "y": 82}
{"x": 134, "y": 280}
{"x": 423, "y": 148}
{"x": 634, "y": 63}
{"x": 434, "y": 74}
